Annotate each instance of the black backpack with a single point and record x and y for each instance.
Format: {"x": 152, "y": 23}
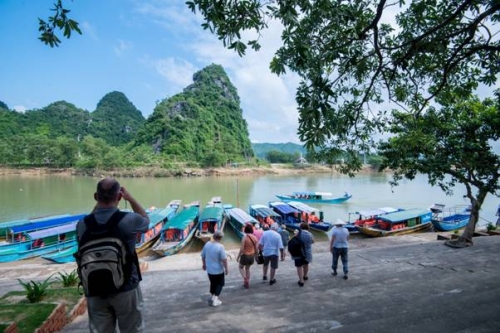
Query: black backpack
{"x": 296, "y": 246}
{"x": 104, "y": 263}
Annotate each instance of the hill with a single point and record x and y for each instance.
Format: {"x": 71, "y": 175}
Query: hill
{"x": 261, "y": 149}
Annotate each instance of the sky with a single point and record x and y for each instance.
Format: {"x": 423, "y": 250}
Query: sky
{"x": 147, "y": 49}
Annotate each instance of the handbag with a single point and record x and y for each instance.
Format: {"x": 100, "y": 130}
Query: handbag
{"x": 260, "y": 258}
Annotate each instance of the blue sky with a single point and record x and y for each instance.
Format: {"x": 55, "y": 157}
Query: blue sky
{"x": 147, "y": 49}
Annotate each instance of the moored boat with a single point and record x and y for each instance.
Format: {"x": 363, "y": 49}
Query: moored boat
{"x": 264, "y": 215}
{"x": 7, "y": 225}
{"x": 215, "y": 202}
{"x": 311, "y": 215}
{"x": 366, "y": 217}
{"x": 41, "y": 242}
{"x": 290, "y": 216}
{"x": 238, "y": 218}
{"x": 451, "y": 218}
{"x": 212, "y": 218}
{"x": 177, "y": 232}
{"x": 62, "y": 256}
{"x": 398, "y": 223}
{"x": 314, "y": 197}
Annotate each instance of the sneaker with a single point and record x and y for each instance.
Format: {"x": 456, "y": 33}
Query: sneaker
{"x": 301, "y": 284}
{"x": 216, "y": 302}
{"x": 345, "y": 277}
{"x": 306, "y": 278}
{"x": 264, "y": 278}
{"x": 334, "y": 273}
{"x": 273, "y": 281}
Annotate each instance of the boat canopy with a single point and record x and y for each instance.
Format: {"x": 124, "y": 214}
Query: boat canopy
{"x": 283, "y": 208}
{"x": 378, "y": 211}
{"x": 321, "y": 194}
{"x": 403, "y": 215}
{"x": 47, "y": 223}
{"x": 212, "y": 213}
{"x": 241, "y": 216}
{"x": 303, "y": 207}
{"x": 159, "y": 215}
{"x": 183, "y": 219}
{"x": 263, "y": 211}
{"x": 52, "y": 231}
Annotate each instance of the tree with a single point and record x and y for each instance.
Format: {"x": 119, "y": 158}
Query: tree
{"x": 59, "y": 21}
{"x": 354, "y": 54}
{"x": 452, "y": 146}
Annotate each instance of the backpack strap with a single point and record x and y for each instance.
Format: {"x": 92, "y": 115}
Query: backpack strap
{"x": 112, "y": 223}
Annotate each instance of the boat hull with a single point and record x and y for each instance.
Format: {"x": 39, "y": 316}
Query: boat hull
{"x": 375, "y": 232}
{"x": 37, "y": 252}
{"x": 451, "y": 223}
{"x": 287, "y": 198}
{"x": 164, "y": 249}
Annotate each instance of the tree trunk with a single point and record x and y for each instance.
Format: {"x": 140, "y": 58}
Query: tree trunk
{"x": 466, "y": 238}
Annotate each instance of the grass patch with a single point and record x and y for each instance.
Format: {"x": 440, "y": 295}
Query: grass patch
{"x": 14, "y": 306}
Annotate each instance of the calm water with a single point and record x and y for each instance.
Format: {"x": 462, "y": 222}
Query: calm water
{"x": 24, "y": 197}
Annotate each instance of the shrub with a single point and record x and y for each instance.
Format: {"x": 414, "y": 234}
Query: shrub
{"x": 35, "y": 291}
{"x": 69, "y": 279}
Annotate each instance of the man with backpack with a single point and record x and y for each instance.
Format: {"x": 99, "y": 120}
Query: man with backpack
{"x": 108, "y": 266}
{"x": 300, "y": 248}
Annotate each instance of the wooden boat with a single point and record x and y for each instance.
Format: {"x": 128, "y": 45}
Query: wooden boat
{"x": 178, "y": 231}
{"x": 211, "y": 219}
{"x": 449, "y": 219}
{"x": 290, "y": 216}
{"x": 366, "y": 217}
{"x": 5, "y": 226}
{"x": 311, "y": 215}
{"x": 215, "y": 202}
{"x": 157, "y": 219}
{"x": 264, "y": 215}
{"x": 41, "y": 242}
{"x": 62, "y": 256}
{"x": 315, "y": 197}
{"x": 238, "y": 218}
{"x": 398, "y": 223}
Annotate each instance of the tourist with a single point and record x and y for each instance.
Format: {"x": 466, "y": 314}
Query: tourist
{"x": 285, "y": 236}
{"x": 214, "y": 261}
{"x": 498, "y": 214}
{"x": 339, "y": 247}
{"x": 302, "y": 263}
{"x": 271, "y": 246}
{"x": 257, "y": 231}
{"x": 122, "y": 308}
{"x": 248, "y": 251}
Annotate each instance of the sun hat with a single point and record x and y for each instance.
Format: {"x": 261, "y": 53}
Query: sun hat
{"x": 275, "y": 226}
{"x": 340, "y": 222}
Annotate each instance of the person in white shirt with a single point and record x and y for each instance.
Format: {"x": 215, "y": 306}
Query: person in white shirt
{"x": 214, "y": 261}
{"x": 339, "y": 246}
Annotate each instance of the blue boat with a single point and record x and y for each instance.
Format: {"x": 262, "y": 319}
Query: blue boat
{"x": 7, "y": 225}
{"x": 398, "y": 223}
{"x": 449, "y": 219}
{"x": 290, "y": 216}
{"x": 315, "y": 197}
{"x": 264, "y": 215}
{"x": 366, "y": 217}
{"x": 311, "y": 215}
{"x": 211, "y": 219}
{"x": 41, "y": 242}
{"x": 62, "y": 255}
{"x": 238, "y": 218}
{"x": 177, "y": 232}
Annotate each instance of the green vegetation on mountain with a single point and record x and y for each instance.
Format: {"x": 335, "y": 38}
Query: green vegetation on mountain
{"x": 203, "y": 124}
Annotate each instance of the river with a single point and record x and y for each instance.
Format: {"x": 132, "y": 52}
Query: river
{"x": 31, "y": 196}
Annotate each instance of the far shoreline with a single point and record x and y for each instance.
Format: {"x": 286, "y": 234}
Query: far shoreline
{"x": 155, "y": 172}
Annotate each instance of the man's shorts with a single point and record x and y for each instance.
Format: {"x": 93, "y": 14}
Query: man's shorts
{"x": 273, "y": 259}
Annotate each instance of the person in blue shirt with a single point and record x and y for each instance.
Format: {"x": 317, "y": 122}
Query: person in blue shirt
{"x": 214, "y": 261}
{"x": 498, "y": 214}
{"x": 271, "y": 246}
{"x": 339, "y": 246}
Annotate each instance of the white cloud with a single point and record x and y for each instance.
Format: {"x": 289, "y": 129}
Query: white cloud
{"x": 122, "y": 46}
{"x": 178, "y": 72}
{"x": 20, "y": 108}
{"x": 89, "y": 30}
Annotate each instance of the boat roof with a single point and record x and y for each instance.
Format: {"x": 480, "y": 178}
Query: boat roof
{"x": 263, "y": 210}
{"x": 378, "y": 211}
{"x": 212, "y": 213}
{"x": 161, "y": 214}
{"x": 283, "y": 208}
{"x": 303, "y": 207}
{"x": 404, "y": 215}
{"x": 183, "y": 218}
{"x": 323, "y": 194}
{"x": 62, "y": 229}
{"x": 241, "y": 216}
{"x": 47, "y": 223}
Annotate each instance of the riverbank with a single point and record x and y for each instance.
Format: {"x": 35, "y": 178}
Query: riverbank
{"x": 155, "y": 172}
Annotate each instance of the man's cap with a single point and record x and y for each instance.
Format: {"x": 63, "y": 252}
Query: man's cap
{"x": 275, "y": 226}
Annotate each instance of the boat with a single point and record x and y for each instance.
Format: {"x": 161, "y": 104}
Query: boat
{"x": 290, "y": 216}
{"x": 5, "y": 226}
{"x": 178, "y": 232}
{"x": 63, "y": 255}
{"x": 215, "y": 202}
{"x": 41, "y": 242}
{"x": 366, "y": 217}
{"x": 398, "y": 223}
{"x": 238, "y": 218}
{"x": 264, "y": 215}
{"x": 451, "y": 218}
{"x": 315, "y": 197}
{"x": 212, "y": 218}
{"x": 157, "y": 219}
{"x": 311, "y": 215}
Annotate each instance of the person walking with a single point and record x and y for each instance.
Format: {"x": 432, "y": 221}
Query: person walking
{"x": 285, "y": 236}
{"x": 123, "y": 308}
{"x": 248, "y": 251}
{"x": 214, "y": 261}
{"x": 302, "y": 262}
{"x": 339, "y": 245}
{"x": 271, "y": 246}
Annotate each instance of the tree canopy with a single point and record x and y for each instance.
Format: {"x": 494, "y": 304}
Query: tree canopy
{"x": 354, "y": 55}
